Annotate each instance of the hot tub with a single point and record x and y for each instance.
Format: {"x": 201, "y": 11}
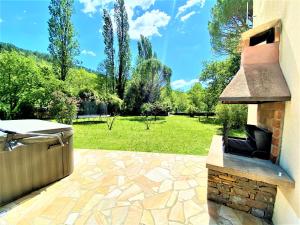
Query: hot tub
{"x": 33, "y": 154}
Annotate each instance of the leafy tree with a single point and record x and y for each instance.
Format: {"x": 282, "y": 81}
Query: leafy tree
{"x": 231, "y": 116}
{"x": 109, "y": 62}
{"x": 145, "y": 49}
{"x": 192, "y": 110}
{"x": 216, "y": 75}
{"x": 229, "y": 20}
{"x": 79, "y": 79}
{"x": 121, "y": 19}
{"x": 63, "y": 47}
{"x": 196, "y": 96}
{"x": 149, "y": 77}
{"x": 63, "y": 107}
{"x": 181, "y": 101}
{"x": 25, "y": 85}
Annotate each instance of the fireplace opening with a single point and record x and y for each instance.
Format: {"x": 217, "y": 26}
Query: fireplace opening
{"x": 257, "y": 143}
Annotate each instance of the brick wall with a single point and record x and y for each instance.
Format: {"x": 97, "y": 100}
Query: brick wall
{"x": 254, "y": 197}
{"x": 271, "y": 117}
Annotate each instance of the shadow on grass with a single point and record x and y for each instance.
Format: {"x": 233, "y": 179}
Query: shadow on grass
{"x": 88, "y": 122}
{"x": 159, "y": 119}
{"x": 208, "y": 120}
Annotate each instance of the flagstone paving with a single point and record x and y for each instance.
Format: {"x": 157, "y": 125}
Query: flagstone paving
{"x": 130, "y": 188}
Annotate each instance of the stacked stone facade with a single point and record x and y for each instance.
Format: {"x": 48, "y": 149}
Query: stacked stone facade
{"x": 254, "y": 197}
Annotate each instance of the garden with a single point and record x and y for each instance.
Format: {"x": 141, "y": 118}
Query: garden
{"x": 133, "y": 93}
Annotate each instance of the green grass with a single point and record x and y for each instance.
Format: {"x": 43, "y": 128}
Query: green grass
{"x": 172, "y": 134}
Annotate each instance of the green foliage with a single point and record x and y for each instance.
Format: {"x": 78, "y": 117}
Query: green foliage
{"x": 231, "y": 116}
{"x": 63, "y": 107}
{"x": 149, "y": 77}
{"x": 109, "y": 51}
{"x": 122, "y": 24}
{"x": 24, "y": 83}
{"x": 192, "y": 110}
{"x": 215, "y": 76}
{"x": 228, "y": 21}
{"x": 181, "y": 101}
{"x": 63, "y": 47}
{"x": 27, "y": 84}
{"x": 146, "y": 109}
{"x": 115, "y": 104}
{"x": 88, "y": 102}
{"x": 80, "y": 79}
{"x": 145, "y": 49}
{"x": 195, "y": 95}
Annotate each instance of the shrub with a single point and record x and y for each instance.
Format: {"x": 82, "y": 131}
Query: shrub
{"x": 232, "y": 116}
{"x": 192, "y": 110}
{"x": 115, "y": 104}
{"x": 62, "y": 107}
{"x": 88, "y": 102}
{"x": 146, "y": 109}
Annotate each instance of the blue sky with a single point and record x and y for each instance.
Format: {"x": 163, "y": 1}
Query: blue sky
{"x": 176, "y": 28}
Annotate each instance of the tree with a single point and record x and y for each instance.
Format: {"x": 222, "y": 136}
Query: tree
{"x": 215, "y": 76}
{"x": 149, "y": 77}
{"x": 181, "y": 101}
{"x": 121, "y": 19}
{"x": 25, "y": 85}
{"x": 79, "y": 79}
{"x": 229, "y": 20}
{"x": 196, "y": 96}
{"x": 63, "y": 47}
{"x": 145, "y": 49}
{"x": 109, "y": 62}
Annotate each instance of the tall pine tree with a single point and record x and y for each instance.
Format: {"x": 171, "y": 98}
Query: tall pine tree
{"x": 63, "y": 47}
{"x": 109, "y": 64}
{"x": 121, "y": 19}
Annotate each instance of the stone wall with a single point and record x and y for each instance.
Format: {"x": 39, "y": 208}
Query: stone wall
{"x": 240, "y": 193}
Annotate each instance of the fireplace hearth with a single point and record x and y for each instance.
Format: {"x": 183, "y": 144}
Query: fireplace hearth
{"x": 243, "y": 173}
{"x": 257, "y": 144}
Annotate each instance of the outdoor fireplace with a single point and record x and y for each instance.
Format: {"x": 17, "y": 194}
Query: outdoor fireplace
{"x": 250, "y": 183}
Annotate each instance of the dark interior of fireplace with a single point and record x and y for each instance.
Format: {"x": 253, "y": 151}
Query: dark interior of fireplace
{"x": 257, "y": 143}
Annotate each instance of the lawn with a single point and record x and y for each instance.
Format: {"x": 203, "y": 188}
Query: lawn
{"x": 172, "y": 134}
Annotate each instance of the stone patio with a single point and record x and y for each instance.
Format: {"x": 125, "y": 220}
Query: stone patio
{"x": 130, "y": 188}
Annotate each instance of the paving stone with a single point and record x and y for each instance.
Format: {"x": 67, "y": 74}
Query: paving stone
{"x": 158, "y": 174}
{"x": 134, "y": 215}
{"x": 191, "y": 209}
{"x": 160, "y": 216}
{"x": 177, "y": 213}
{"x": 147, "y": 218}
{"x": 118, "y": 215}
{"x": 157, "y": 201}
{"x": 109, "y": 187}
{"x": 181, "y": 185}
{"x": 166, "y": 185}
{"x": 173, "y": 198}
{"x": 186, "y": 195}
{"x": 132, "y": 191}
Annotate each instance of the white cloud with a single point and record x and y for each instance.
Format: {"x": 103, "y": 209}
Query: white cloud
{"x": 148, "y": 24}
{"x": 189, "y": 4}
{"x": 87, "y": 52}
{"x": 187, "y": 16}
{"x": 177, "y": 84}
{"x": 90, "y": 6}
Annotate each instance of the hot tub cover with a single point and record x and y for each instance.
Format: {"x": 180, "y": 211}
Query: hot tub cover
{"x": 33, "y": 126}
